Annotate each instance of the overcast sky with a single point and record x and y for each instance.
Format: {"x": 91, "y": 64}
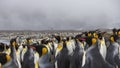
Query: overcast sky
{"x": 59, "y": 14}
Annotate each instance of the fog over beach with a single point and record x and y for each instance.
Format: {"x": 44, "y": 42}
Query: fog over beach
{"x": 59, "y": 14}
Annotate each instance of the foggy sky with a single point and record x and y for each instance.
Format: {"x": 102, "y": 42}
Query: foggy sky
{"x": 59, "y": 14}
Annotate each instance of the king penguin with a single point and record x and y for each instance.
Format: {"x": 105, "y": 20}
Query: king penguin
{"x": 63, "y": 58}
{"x": 4, "y": 58}
{"x": 44, "y": 61}
{"x": 113, "y": 56}
{"x": 93, "y": 57}
{"x": 28, "y": 58}
{"x": 76, "y": 58}
{"x": 13, "y": 63}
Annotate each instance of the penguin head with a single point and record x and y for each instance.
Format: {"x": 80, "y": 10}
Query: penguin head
{"x": 100, "y": 36}
{"x": 13, "y": 42}
{"x": 29, "y": 40}
{"x": 64, "y": 43}
{"x": 4, "y": 58}
{"x": 44, "y": 41}
{"x": 95, "y": 35}
{"x": 114, "y": 31}
{"x": 89, "y": 34}
{"x": 68, "y": 38}
{"x": 58, "y": 38}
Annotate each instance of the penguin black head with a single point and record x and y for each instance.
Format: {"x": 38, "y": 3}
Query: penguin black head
{"x": 72, "y": 37}
{"x": 44, "y": 41}
{"x": 29, "y": 40}
{"x": 89, "y": 34}
{"x": 13, "y": 42}
{"x": 114, "y": 31}
{"x": 64, "y": 40}
{"x": 4, "y": 58}
{"x": 112, "y": 39}
{"x": 86, "y": 33}
{"x": 2, "y": 47}
{"x": 100, "y": 36}
{"x": 95, "y": 35}
{"x": 58, "y": 38}
{"x": 68, "y": 38}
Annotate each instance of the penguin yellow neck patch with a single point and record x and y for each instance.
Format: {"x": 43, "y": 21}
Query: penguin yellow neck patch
{"x": 8, "y": 58}
{"x": 94, "y": 40}
{"x": 44, "y": 51}
{"x": 118, "y": 32}
{"x": 59, "y": 46}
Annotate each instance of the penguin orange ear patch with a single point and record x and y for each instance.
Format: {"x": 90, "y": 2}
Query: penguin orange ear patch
{"x": 44, "y": 51}
{"x": 95, "y": 35}
{"x": 30, "y": 41}
{"x": 112, "y": 39}
{"x": 14, "y": 43}
{"x": 89, "y": 34}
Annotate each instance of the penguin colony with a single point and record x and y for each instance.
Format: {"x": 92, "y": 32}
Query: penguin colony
{"x": 90, "y": 49}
